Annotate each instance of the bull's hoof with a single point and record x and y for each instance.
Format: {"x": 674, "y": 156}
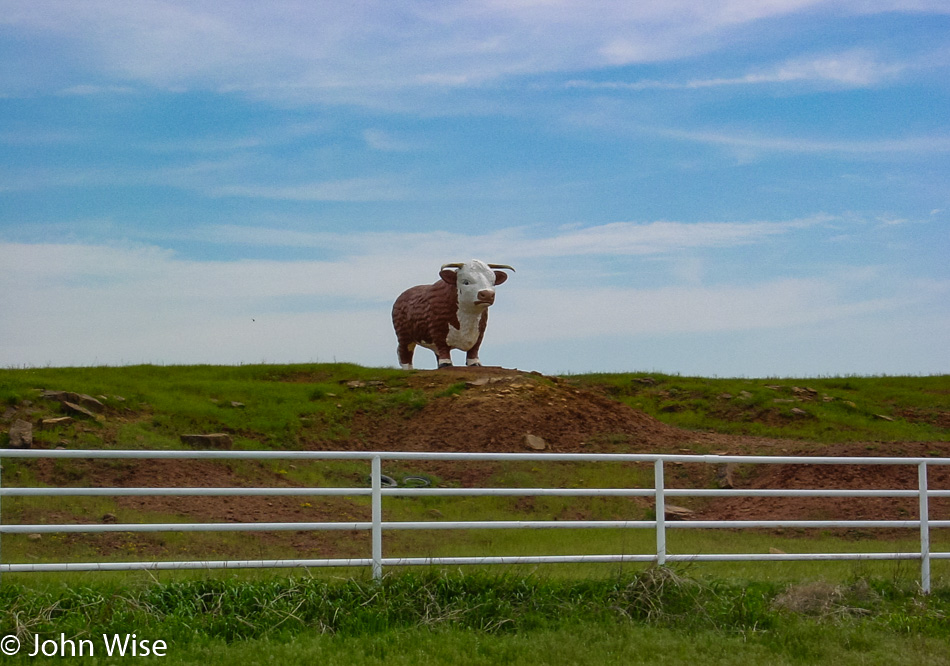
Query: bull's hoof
{"x": 474, "y": 364}
{"x": 445, "y": 364}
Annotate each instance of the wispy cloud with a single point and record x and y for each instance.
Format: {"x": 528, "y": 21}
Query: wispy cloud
{"x": 631, "y": 239}
{"x": 916, "y": 144}
{"x": 381, "y": 140}
{"x": 207, "y": 145}
{"x": 268, "y": 136}
{"x": 83, "y": 90}
{"x": 48, "y": 137}
{"x": 851, "y": 69}
{"x": 194, "y": 175}
{"x": 615, "y": 239}
{"x": 326, "y": 51}
{"x": 352, "y": 260}
{"x": 352, "y": 189}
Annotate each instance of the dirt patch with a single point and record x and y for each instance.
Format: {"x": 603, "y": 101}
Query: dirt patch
{"x": 840, "y": 477}
{"x": 194, "y": 509}
{"x": 938, "y": 418}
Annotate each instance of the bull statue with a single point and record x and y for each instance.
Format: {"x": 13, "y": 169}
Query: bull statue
{"x": 450, "y": 314}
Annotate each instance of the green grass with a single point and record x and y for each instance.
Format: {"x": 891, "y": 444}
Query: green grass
{"x": 577, "y": 645}
{"x": 283, "y": 407}
{"x": 582, "y": 644}
{"x": 654, "y": 616}
{"x": 835, "y": 409}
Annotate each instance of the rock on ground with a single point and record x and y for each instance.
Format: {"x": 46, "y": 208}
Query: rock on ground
{"x": 21, "y": 434}
{"x": 215, "y": 440}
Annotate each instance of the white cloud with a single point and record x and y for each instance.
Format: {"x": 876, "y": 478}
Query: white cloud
{"x": 573, "y": 314}
{"x": 853, "y": 69}
{"x": 83, "y": 304}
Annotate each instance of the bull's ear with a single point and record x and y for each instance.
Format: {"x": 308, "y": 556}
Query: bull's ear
{"x": 500, "y": 277}
{"x": 450, "y": 276}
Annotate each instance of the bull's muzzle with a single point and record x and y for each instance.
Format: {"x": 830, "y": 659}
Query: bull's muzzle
{"x": 485, "y": 297}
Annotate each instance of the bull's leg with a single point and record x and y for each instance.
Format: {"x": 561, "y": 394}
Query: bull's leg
{"x": 471, "y": 356}
{"x": 443, "y": 354}
{"x": 405, "y": 352}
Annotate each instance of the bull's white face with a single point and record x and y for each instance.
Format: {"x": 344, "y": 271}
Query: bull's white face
{"x": 475, "y": 282}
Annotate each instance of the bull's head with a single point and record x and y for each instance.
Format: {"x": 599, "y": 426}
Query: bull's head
{"x": 475, "y": 281}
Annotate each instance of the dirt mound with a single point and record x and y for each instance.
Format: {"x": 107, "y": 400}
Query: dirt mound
{"x": 493, "y": 409}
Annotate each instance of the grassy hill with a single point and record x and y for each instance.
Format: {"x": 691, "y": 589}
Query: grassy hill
{"x": 299, "y": 406}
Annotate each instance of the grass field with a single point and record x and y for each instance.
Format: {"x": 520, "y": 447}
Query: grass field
{"x": 837, "y": 409}
{"x": 161, "y": 402}
{"x": 656, "y": 616}
{"x": 284, "y": 406}
{"x": 776, "y": 613}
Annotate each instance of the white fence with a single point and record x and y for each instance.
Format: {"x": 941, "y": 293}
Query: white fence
{"x": 377, "y": 525}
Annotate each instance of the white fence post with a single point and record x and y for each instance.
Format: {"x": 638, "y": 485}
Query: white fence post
{"x": 377, "y": 510}
{"x": 924, "y": 528}
{"x": 660, "y": 512}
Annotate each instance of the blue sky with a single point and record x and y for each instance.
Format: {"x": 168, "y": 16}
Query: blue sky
{"x": 726, "y": 187}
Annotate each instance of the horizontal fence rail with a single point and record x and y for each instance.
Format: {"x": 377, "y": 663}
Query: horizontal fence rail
{"x": 377, "y": 525}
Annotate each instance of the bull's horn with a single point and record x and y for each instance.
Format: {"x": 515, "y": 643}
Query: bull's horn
{"x": 501, "y": 266}
{"x": 444, "y": 266}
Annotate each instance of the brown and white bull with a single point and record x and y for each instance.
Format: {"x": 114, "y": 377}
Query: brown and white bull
{"x": 450, "y": 314}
